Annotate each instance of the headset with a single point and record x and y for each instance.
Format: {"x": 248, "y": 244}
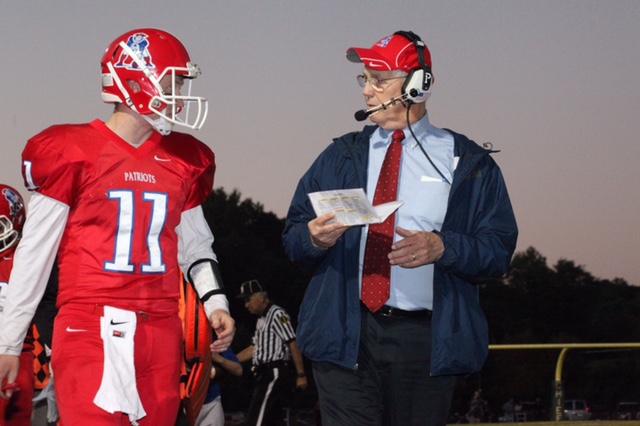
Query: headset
{"x": 417, "y": 85}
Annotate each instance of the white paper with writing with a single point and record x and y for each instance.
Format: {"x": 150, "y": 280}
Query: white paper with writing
{"x": 351, "y": 206}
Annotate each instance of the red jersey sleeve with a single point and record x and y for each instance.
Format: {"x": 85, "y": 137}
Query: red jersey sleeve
{"x": 47, "y": 169}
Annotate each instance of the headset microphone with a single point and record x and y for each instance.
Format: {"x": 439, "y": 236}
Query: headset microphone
{"x": 364, "y": 113}
{"x": 361, "y": 115}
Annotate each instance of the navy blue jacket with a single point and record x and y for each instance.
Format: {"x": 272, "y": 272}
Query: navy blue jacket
{"x": 479, "y": 234}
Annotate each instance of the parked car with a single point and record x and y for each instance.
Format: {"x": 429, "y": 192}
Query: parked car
{"x": 628, "y": 410}
{"x": 599, "y": 412}
{"x": 576, "y": 409}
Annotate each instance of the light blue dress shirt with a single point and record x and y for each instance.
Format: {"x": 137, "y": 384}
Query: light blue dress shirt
{"x": 425, "y": 195}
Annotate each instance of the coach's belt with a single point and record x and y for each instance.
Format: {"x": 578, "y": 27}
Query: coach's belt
{"x": 388, "y": 311}
{"x": 140, "y": 316}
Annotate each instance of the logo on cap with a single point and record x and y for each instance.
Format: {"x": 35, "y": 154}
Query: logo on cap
{"x": 385, "y": 41}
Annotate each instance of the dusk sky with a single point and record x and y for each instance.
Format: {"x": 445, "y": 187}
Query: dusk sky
{"x": 554, "y": 85}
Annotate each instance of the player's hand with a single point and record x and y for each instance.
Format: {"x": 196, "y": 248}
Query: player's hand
{"x": 9, "y": 366}
{"x": 301, "y": 383}
{"x": 225, "y": 328}
{"x": 323, "y": 234}
{"x": 416, "y": 248}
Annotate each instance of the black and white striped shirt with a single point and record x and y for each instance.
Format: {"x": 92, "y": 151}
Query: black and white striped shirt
{"x": 273, "y": 334}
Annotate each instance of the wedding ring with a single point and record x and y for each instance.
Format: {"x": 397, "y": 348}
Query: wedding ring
{"x": 413, "y": 255}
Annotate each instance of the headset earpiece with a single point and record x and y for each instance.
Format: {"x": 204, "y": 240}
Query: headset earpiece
{"x": 417, "y": 85}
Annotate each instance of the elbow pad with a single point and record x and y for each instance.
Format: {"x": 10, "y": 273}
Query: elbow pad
{"x": 205, "y": 276}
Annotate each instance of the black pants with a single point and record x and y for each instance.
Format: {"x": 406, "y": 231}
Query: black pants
{"x": 391, "y": 385}
{"x": 272, "y": 385}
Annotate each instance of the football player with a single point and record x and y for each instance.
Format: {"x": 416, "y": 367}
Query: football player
{"x": 17, "y": 410}
{"x": 119, "y": 202}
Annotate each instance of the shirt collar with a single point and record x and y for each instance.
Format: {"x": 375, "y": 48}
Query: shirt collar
{"x": 420, "y": 129}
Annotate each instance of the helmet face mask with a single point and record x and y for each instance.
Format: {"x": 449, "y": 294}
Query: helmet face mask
{"x": 133, "y": 69}
{"x": 167, "y": 105}
{"x": 12, "y": 217}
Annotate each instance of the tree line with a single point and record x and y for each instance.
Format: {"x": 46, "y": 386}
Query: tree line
{"x": 532, "y": 303}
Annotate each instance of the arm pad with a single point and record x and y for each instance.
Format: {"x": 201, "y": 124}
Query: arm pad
{"x": 205, "y": 276}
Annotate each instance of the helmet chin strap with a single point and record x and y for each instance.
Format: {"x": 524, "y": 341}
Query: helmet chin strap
{"x": 161, "y": 124}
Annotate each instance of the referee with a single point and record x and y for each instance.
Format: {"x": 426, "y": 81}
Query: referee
{"x": 274, "y": 343}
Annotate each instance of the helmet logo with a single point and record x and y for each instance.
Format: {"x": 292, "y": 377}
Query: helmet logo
{"x": 138, "y": 43}
{"x": 15, "y": 203}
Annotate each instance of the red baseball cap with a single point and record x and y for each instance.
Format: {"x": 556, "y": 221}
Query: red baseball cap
{"x": 393, "y": 52}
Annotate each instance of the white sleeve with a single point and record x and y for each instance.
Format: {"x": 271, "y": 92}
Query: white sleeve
{"x": 195, "y": 242}
{"x": 34, "y": 257}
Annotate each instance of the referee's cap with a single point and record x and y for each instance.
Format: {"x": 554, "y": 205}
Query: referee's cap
{"x": 248, "y": 288}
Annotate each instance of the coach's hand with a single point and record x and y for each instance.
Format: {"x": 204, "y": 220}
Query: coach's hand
{"x": 224, "y": 327}
{"x": 9, "y": 365}
{"x": 416, "y": 248}
{"x": 324, "y": 234}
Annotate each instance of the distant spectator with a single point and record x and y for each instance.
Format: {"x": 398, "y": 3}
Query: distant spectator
{"x": 509, "y": 409}
{"x": 476, "y": 408}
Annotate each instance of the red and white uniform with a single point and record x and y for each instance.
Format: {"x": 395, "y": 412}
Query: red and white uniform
{"x": 120, "y": 246}
{"x": 17, "y": 410}
{"x": 125, "y": 220}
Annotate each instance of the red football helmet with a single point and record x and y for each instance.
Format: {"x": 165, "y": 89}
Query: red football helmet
{"x": 12, "y": 216}
{"x": 132, "y": 68}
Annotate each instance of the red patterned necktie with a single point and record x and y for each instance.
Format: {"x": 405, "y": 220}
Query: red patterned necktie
{"x": 376, "y": 272}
